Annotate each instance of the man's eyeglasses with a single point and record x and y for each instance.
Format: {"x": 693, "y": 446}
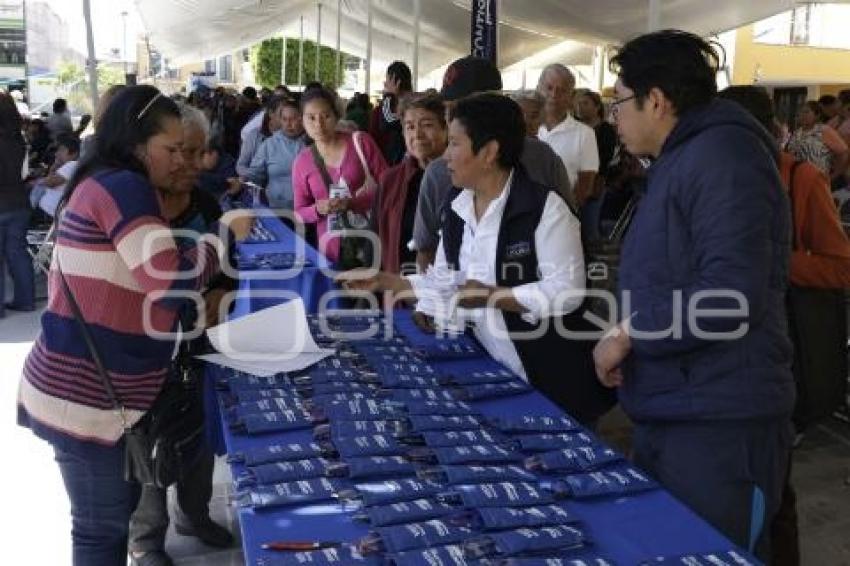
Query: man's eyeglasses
{"x": 616, "y": 104}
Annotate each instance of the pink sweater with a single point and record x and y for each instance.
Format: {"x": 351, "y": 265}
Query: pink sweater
{"x": 308, "y": 186}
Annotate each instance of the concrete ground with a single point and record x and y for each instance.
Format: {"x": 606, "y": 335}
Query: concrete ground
{"x": 36, "y": 521}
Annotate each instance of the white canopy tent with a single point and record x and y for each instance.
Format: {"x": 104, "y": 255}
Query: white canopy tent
{"x": 193, "y": 30}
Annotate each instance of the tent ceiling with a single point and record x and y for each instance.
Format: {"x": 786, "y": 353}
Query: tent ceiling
{"x": 192, "y": 30}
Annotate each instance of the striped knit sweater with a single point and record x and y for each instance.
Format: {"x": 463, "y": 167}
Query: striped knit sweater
{"x": 119, "y": 257}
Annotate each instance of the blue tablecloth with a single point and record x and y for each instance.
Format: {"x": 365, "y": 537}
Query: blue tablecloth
{"x": 626, "y": 530}
{"x": 266, "y": 288}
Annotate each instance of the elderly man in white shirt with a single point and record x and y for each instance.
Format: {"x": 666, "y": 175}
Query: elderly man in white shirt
{"x": 510, "y": 257}
{"x": 574, "y": 142}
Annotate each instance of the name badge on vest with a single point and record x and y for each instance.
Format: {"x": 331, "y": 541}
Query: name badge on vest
{"x": 518, "y": 250}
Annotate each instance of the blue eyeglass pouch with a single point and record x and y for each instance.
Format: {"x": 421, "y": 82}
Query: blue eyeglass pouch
{"x": 363, "y": 409}
{"x": 502, "y": 494}
{"x": 450, "y": 555}
{"x": 427, "y": 534}
{"x": 439, "y": 439}
{"x": 379, "y": 467}
{"x": 372, "y": 445}
{"x": 457, "y": 475}
{"x": 470, "y": 455}
{"x": 429, "y": 423}
{"x": 339, "y": 556}
{"x": 419, "y": 368}
{"x": 331, "y": 387}
{"x": 277, "y": 453}
{"x": 619, "y": 481}
{"x": 483, "y": 391}
{"x": 282, "y": 472}
{"x": 273, "y": 422}
{"x": 525, "y": 541}
{"x": 408, "y": 512}
{"x": 497, "y": 374}
{"x": 396, "y": 491}
{"x": 552, "y": 561}
{"x": 327, "y": 375}
{"x": 443, "y": 408}
{"x": 579, "y": 459}
{"x": 417, "y": 395}
{"x": 450, "y": 349}
{"x": 504, "y": 518}
{"x": 247, "y": 382}
{"x": 342, "y": 430}
{"x": 248, "y": 395}
{"x": 291, "y": 493}
{"x": 721, "y": 558}
{"x": 406, "y": 381}
{"x": 323, "y": 400}
{"x": 529, "y": 424}
{"x": 273, "y": 405}
{"x": 533, "y": 443}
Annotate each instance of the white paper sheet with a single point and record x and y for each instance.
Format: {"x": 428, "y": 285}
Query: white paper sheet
{"x": 266, "y": 342}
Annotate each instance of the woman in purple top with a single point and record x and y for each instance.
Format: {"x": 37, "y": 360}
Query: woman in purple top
{"x": 339, "y": 154}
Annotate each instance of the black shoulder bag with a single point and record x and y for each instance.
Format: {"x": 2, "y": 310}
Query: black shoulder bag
{"x": 817, "y": 321}
{"x": 169, "y": 438}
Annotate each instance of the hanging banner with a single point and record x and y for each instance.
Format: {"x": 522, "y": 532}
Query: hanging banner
{"x": 484, "y": 26}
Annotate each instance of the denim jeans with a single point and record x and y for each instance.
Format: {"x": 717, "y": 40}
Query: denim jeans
{"x": 101, "y": 501}
{"x": 13, "y": 251}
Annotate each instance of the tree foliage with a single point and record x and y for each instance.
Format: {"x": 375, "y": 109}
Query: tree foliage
{"x": 265, "y": 60}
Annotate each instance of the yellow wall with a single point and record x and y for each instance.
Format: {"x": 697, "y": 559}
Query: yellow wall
{"x": 786, "y": 64}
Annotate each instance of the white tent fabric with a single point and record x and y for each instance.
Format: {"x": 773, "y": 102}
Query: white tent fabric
{"x": 192, "y": 30}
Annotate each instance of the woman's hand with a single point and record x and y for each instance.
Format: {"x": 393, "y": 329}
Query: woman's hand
{"x": 323, "y": 207}
{"x": 474, "y": 295}
{"x": 339, "y": 204}
{"x": 234, "y": 186}
{"x": 608, "y": 356}
{"x": 361, "y": 280}
{"x": 239, "y": 221}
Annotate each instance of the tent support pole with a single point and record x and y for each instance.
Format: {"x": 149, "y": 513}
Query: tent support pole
{"x": 92, "y": 63}
{"x": 337, "y": 79}
{"x": 318, "y": 39}
{"x": 368, "y": 46}
{"x": 417, "y": 17}
{"x": 301, "y": 56}
{"x": 653, "y": 22}
{"x": 283, "y": 60}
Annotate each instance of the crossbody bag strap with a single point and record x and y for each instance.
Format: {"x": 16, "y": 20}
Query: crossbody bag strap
{"x": 370, "y": 179}
{"x": 320, "y": 165}
{"x": 89, "y": 339}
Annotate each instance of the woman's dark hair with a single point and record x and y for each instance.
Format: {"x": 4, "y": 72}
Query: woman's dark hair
{"x": 680, "y": 64}
{"x": 815, "y": 107}
{"x": 69, "y": 141}
{"x": 399, "y": 71}
{"x": 475, "y": 113}
{"x": 755, "y": 100}
{"x": 134, "y": 115}
{"x": 60, "y": 105}
{"x": 323, "y": 94}
{"x": 11, "y": 122}
{"x": 429, "y": 102}
{"x": 597, "y": 102}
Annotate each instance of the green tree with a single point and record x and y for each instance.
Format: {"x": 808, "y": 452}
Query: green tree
{"x": 265, "y": 60}
{"x": 69, "y": 73}
{"x": 108, "y": 76}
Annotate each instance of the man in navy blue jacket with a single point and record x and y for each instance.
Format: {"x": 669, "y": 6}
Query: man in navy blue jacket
{"x": 702, "y": 358}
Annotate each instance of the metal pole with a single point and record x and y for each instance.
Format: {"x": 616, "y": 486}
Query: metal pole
{"x": 368, "y": 46}
{"x": 318, "y": 39}
{"x": 92, "y": 62}
{"x": 417, "y": 17}
{"x": 301, "y": 56}
{"x": 337, "y": 80}
{"x": 653, "y": 21}
{"x": 283, "y": 60}
{"x": 124, "y": 48}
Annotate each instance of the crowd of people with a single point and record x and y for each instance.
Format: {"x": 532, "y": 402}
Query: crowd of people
{"x": 486, "y": 200}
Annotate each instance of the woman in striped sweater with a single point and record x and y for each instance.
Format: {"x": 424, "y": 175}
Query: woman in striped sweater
{"x": 129, "y": 278}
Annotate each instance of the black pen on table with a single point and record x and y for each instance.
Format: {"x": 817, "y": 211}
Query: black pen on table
{"x": 299, "y": 546}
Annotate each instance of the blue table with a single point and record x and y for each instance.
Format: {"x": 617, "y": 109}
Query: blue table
{"x": 626, "y": 530}
{"x": 265, "y": 288}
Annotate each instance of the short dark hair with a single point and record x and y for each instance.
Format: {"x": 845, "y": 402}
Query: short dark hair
{"x": 69, "y": 142}
{"x": 476, "y": 112}
{"x": 401, "y": 72}
{"x": 755, "y": 100}
{"x": 815, "y": 107}
{"x": 597, "y": 101}
{"x": 11, "y": 122}
{"x": 313, "y": 85}
{"x": 844, "y": 97}
{"x": 827, "y": 100}
{"x": 136, "y": 114}
{"x": 60, "y": 105}
{"x": 320, "y": 93}
{"x": 429, "y": 102}
{"x": 250, "y": 93}
{"x": 680, "y": 64}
